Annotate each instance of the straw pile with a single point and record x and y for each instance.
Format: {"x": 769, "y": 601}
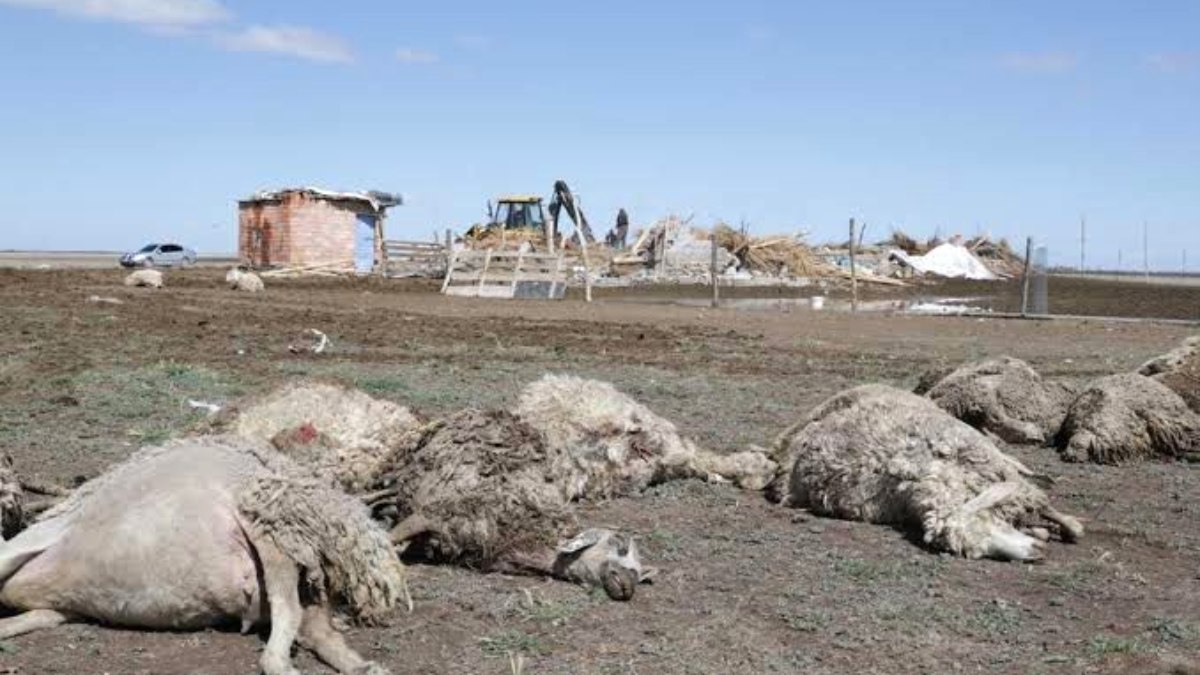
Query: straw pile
{"x": 507, "y": 240}
{"x": 998, "y": 256}
{"x": 774, "y": 255}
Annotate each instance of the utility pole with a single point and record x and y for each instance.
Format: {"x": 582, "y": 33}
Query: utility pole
{"x": 1184, "y": 268}
{"x": 1120, "y": 266}
{"x": 1082, "y": 241}
{"x": 853, "y": 272}
{"x": 1146, "y": 250}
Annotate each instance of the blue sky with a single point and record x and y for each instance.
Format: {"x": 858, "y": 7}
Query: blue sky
{"x": 128, "y": 120}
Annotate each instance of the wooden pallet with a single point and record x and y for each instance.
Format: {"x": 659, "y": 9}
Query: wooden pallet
{"x": 505, "y": 274}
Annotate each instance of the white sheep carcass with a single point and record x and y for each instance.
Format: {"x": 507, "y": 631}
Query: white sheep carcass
{"x": 12, "y": 500}
{"x": 150, "y": 278}
{"x": 244, "y": 280}
{"x": 881, "y": 455}
{"x": 619, "y": 446}
{"x": 479, "y": 489}
{"x": 484, "y": 491}
{"x": 1179, "y": 369}
{"x": 1128, "y": 417}
{"x": 198, "y": 532}
{"x": 336, "y": 430}
{"x": 1004, "y": 396}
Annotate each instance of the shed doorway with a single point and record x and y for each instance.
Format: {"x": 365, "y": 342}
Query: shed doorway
{"x": 364, "y": 244}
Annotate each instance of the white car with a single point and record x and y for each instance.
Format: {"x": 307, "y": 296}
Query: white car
{"x": 161, "y": 255}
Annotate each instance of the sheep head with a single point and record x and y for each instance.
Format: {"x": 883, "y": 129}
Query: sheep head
{"x": 600, "y": 557}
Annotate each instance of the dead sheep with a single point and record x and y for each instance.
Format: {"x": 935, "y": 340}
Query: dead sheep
{"x": 618, "y": 446}
{"x": 1006, "y": 397}
{"x": 1126, "y": 418}
{"x": 150, "y": 278}
{"x": 334, "y": 429}
{"x": 1179, "y": 369}
{"x": 244, "y": 280}
{"x": 12, "y": 500}
{"x": 483, "y": 490}
{"x": 199, "y": 532}
{"x": 1172, "y": 360}
{"x": 881, "y": 455}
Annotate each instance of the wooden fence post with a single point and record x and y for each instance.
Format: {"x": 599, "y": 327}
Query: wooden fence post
{"x": 853, "y": 272}
{"x": 1025, "y": 277}
{"x": 712, "y": 268}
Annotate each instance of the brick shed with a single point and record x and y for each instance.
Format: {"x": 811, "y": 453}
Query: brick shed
{"x": 311, "y": 226}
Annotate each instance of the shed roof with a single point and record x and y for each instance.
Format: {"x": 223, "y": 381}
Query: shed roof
{"x": 377, "y": 200}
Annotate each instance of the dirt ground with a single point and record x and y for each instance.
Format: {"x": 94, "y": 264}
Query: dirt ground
{"x": 745, "y": 587}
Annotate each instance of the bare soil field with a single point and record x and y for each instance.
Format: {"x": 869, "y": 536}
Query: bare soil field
{"x": 745, "y": 586}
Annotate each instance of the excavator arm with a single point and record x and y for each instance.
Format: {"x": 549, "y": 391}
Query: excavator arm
{"x": 563, "y": 200}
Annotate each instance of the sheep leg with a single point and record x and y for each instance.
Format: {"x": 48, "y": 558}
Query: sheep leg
{"x": 318, "y": 634}
{"x": 1016, "y": 431}
{"x": 281, "y": 577}
{"x": 1069, "y": 528}
{"x": 518, "y": 562}
{"x": 373, "y": 498}
{"x": 410, "y": 527}
{"x": 34, "y": 619}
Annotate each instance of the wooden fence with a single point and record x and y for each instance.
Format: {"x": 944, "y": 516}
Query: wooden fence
{"x": 505, "y": 274}
{"x": 414, "y": 258}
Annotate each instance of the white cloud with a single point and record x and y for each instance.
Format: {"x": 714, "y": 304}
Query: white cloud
{"x": 1177, "y": 62}
{"x": 157, "y": 14}
{"x": 297, "y": 41}
{"x": 415, "y": 56}
{"x": 1040, "y": 63}
{"x": 472, "y": 41}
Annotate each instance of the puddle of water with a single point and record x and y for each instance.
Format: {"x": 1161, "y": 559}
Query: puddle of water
{"x": 902, "y": 306}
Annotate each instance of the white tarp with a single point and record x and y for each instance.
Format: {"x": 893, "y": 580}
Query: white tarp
{"x": 946, "y": 260}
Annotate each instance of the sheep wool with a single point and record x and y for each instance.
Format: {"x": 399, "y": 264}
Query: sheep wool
{"x": 881, "y": 455}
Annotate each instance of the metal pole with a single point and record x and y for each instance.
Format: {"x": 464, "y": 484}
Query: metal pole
{"x": 1146, "y": 250}
{"x": 1025, "y": 277}
{"x": 853, "y": 272}
{"x": 713, "y": 270}
{"x": 1082, "y": 242}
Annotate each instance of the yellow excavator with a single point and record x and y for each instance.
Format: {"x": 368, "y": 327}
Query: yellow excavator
{"x": 524, "y": 213}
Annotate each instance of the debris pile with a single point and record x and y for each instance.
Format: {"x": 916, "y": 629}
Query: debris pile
{"x": 773, "y": 255}
{"x": 951, "y": 260}
{"x": 978, "y": 258}
{"x": 672, "y": 250}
